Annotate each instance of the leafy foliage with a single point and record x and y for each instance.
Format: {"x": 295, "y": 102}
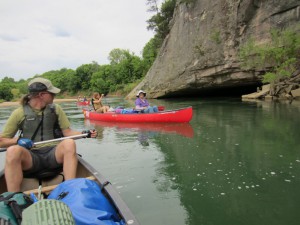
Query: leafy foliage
{"x": 159, "y": 23}
{"x": 5, "y": 88}
{"x": 153, "y": 5}
{"x": 280, "y": 58}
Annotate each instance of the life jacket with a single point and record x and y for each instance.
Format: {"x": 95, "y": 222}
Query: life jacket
{"x": 40, "y": 127}
{"x": 96, "y": 105}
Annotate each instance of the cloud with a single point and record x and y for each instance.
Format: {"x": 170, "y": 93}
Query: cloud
{"x": 38, "y": 36}
{"x": 5, "y": 37}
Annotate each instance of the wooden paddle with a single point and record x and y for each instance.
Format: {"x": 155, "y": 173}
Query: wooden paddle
{"x": 54, "y": 140}
{"x": 49, "y": 188}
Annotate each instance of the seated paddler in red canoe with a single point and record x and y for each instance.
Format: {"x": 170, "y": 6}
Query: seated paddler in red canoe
{"x": 142, "y": 104}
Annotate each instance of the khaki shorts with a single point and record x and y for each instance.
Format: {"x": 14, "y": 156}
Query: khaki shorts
{"x": 42, "y": 159}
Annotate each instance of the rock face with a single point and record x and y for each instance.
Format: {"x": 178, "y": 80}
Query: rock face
{"x": 200, "y": 54}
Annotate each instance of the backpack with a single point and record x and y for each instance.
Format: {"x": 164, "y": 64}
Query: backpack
{"x": 86, "y": 202}
{"x": 11, "y": 206}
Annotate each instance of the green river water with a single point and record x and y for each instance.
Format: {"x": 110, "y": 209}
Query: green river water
{"x": 235, "y": 163}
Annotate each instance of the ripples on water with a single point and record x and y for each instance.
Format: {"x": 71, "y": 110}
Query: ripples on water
{"x": 235, "y": 163}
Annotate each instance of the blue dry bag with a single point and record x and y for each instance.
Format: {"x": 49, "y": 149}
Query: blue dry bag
{"x": 86, "y": 202}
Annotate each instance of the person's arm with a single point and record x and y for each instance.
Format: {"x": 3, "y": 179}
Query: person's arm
{"x": 69, "y": 132}
{"x": 7, "y": 137}
{"x": 100, "y": 99}
{"x": 97, "y": 101}
{"x": 6, "y": 142}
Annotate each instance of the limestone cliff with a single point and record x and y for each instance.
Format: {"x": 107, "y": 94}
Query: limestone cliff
{"x": 200, "y": 54}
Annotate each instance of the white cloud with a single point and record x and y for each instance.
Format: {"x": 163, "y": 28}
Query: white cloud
{"x": 38, "y": 36}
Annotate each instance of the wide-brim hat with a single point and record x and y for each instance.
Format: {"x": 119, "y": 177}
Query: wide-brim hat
{"x": 139, "y": 92}
{"x": 41, "y": 84}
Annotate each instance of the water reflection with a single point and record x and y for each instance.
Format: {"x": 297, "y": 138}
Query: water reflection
{"x": 243, "y": 169}
{"x": 183, "y": 129}
{"x": 235, "y": 163}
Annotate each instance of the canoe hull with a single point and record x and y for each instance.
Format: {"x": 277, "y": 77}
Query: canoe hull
{"x": 173, "y": 116}
{"x": 84, "y": 170}
{"x": 83, "y": 103}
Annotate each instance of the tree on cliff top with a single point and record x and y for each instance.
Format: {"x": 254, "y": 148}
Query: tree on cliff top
{"x": 159, "y": 23}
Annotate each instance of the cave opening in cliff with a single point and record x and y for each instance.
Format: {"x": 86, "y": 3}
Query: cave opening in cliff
{"x": 215, "y": 92}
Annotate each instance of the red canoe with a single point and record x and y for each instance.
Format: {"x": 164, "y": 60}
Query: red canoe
{"x": 183, "y": 115}
{"x": 83, "y": 103}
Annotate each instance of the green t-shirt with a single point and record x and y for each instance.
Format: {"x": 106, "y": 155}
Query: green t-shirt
{"x": 16, "y": 118}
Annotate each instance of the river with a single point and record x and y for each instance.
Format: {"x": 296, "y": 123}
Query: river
{"x": 235, "y": 163}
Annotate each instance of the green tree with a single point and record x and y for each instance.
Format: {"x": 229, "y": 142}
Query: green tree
{"x": 150, "y": 52}
{"x": 153, "y": 6}
{"x": 22, "y": 85}
{"x": 84, "y": 73}
{"x": 118, "y": 55}
{"x": 8, "y": 80}
{"x": 64, "y": 79}
{"x": 125, "y": 66}
{"x": 99, "y": 80}
{"x": 160, "y": 21}
{"x": 5, "y": 91}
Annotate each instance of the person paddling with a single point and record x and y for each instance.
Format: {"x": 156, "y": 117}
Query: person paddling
{"x": 97, "y": 103}
{"x": 38, "y": 119}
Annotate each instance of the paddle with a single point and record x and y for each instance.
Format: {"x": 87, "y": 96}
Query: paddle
{"x": 54, "y": 140}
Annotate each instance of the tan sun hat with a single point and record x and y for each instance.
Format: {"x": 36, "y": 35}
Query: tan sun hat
{"x": 41, "y": 84}
{"x": 139, "y": 92}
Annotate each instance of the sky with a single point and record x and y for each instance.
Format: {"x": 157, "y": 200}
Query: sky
{"x": 38, "y": 36}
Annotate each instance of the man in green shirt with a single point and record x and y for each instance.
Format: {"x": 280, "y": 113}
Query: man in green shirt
{"x": 38, "y": 119}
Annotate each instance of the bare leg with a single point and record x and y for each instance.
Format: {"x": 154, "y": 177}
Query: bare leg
{"x": 17, "y": 160}
{"x": 66, "y": 153}
{"x": 104, "y": 109}
{"x": 100, "y": 110}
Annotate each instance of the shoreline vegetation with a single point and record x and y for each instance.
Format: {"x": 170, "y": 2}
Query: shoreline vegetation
{"x": 55, "y": 101}
{"x": 59, "y": 98}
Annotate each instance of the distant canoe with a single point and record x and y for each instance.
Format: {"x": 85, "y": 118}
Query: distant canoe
{"x": 183, "y": 115}
{"x": 83, "y": 103}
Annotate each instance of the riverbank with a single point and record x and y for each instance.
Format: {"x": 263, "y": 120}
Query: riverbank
{"x": 3, "y": 104}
